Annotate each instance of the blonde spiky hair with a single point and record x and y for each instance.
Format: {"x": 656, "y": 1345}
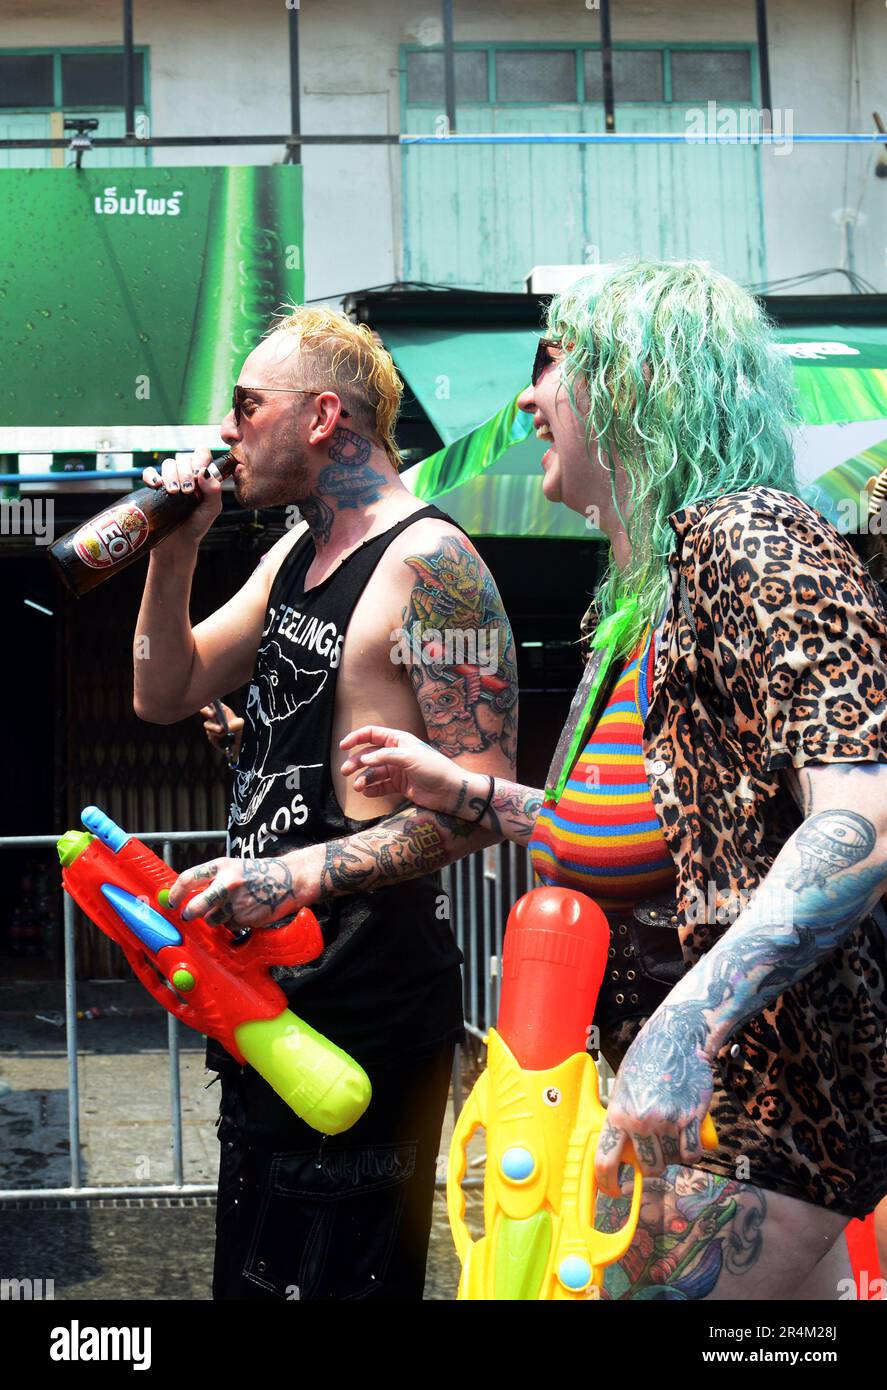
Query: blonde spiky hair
{"x": 353, "y": 362}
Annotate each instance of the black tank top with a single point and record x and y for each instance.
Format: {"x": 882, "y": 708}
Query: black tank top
{"x": 388, "y": 982}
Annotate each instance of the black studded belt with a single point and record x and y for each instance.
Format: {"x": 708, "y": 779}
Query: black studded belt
{"x": 644, "y": 962}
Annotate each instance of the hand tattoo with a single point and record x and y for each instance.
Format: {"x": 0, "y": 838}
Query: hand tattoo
{"x": 664, "y": 1072}
{"x": 219, "y": 915}
{"x": 644, "y": 1148}
{"x": 267, "y": 882}
{"x": 671, "y": 1151}
{"x": 609, "y": 1140}
{"x": 205, "y": 871}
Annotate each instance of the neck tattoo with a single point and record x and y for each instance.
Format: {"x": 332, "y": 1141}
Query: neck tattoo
{"x": 348, "y": 481}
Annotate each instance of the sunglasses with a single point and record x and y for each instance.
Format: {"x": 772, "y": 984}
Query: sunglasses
{"x": 543, "y": 358}
{"x": 240, "y": 393}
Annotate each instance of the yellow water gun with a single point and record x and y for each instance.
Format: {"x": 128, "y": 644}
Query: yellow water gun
{"x": 542, "y": 1116}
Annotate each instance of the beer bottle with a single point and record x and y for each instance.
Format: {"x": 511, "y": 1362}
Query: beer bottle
{"x": 121, "y": 534}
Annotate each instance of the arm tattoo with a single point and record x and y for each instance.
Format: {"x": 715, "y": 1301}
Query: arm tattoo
{"x": 457, "y": 644}
{"x": 803, "y": 792}
{"x": 829, "y": 842}
{"x": 457, "y": 827}
{"x": 761, "y": 956}
{"x": 407, "y": 845}
{"x": 513, "y": 810}
{"x": 511, "y": 814}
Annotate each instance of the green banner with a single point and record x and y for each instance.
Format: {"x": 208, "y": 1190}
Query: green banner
{"x": 132, "y": 296}
{"x": 474, "y": 453}
{"x": 840, "y": 372}
{"x": 841, "y": 380}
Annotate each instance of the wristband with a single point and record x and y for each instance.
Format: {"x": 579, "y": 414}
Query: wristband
{"x": 487, "y": 803}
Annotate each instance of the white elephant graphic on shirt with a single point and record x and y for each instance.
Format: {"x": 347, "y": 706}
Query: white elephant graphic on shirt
{"x": 287, "y": 689}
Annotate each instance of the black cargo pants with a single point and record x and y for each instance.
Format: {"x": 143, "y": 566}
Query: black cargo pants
{"x": 304, "y": 1217}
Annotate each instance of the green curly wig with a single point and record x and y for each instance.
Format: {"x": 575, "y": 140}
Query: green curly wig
{"x": 685, "y": 384}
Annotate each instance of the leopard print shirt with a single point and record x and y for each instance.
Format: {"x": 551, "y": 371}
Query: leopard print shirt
{"x": 787, "y": 666}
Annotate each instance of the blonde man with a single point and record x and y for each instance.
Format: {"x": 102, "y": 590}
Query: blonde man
{"x": 374, "y": 609}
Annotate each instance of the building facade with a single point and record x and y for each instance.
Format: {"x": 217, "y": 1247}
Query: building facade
{"x": 481, "y": 217}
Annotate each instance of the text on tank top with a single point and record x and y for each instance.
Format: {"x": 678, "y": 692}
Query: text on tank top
{"x": 283, "y": 794}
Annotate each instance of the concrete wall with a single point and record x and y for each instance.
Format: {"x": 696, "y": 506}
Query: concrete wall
{"x": 219, "y": 66}
{"x": 829, "y": 69}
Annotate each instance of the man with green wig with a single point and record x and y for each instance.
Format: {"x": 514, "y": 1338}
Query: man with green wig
{"x": 726, "y": 793}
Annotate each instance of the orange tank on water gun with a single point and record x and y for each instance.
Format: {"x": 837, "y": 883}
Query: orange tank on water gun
{"x": 211, "y": 979}
{"x": 540, "y": 1106}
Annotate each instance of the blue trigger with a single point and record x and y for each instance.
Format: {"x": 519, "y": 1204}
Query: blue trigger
{"x": 149, "y": 926}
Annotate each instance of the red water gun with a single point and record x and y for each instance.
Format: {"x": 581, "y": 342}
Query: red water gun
{"x": 211, "y": 979}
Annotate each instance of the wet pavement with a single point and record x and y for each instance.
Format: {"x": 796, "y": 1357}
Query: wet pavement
{"x": 137, "y": 1248}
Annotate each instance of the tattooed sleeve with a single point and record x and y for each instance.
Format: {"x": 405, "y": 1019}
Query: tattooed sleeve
{"x": 823, "y": 882}
{"x": 457, "y": 644}
{"x": 407, "y": 845}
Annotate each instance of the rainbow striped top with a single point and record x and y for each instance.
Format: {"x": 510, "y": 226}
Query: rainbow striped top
{"x": 603, "y": 836}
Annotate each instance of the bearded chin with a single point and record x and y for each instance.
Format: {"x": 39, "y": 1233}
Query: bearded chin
{"x": 247, "y": 495}
{"x": 288, "y": 484}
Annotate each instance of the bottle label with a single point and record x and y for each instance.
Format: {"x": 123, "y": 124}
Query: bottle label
{"x": 109, "y": 538}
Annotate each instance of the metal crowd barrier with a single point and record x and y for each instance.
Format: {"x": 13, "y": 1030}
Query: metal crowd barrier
{"x": 481, "y": 890}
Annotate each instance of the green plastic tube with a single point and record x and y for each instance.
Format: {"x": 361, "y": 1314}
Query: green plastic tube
{"x": 323, "y": 1085}
{"x": 522, "y": 1252}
